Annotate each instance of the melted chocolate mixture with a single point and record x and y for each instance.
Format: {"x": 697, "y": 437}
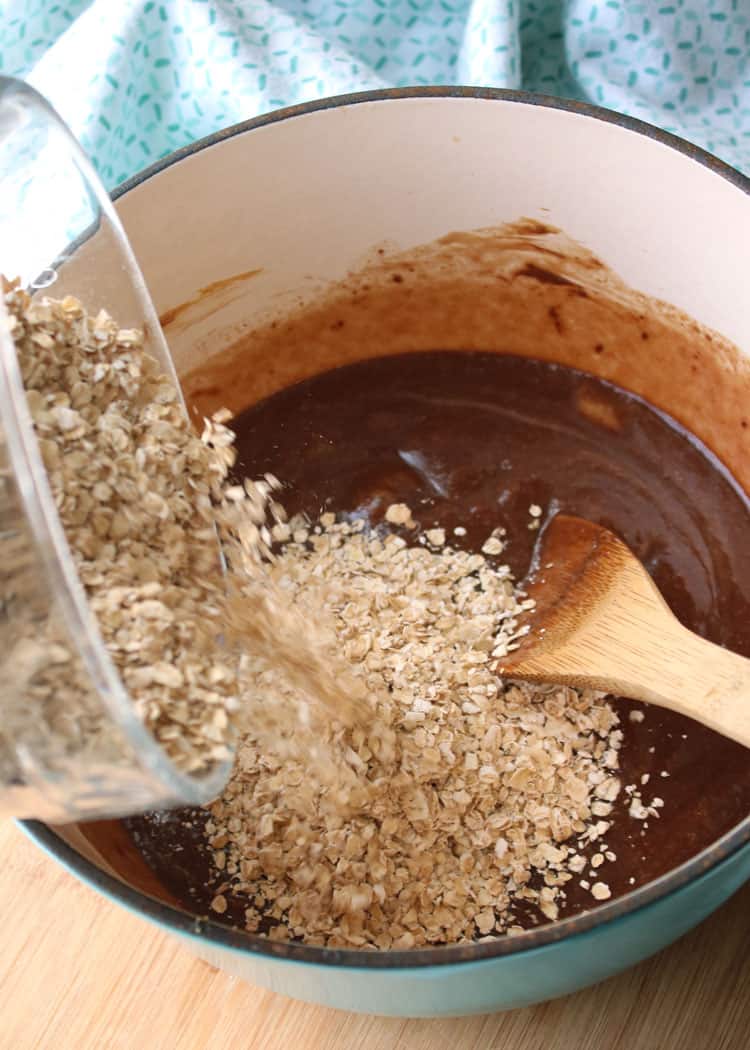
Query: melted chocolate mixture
{"x": 473, "y": 439}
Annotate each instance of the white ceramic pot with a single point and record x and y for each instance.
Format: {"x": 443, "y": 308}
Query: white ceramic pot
{"x": 303, "y": 196}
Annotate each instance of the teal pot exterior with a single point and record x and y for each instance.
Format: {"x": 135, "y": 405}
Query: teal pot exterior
{"x": 504, "y": 982}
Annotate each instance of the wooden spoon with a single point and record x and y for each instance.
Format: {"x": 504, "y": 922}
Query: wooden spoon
{"x": 600, "y": 622}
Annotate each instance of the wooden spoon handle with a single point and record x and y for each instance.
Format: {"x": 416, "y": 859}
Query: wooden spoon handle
{"x": 600, "y": 622}
{"x": 703, "y": 681}
{"x": 642, "y": 652}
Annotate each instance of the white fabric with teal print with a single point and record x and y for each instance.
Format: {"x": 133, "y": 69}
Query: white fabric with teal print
{"x": 137, "y": 79}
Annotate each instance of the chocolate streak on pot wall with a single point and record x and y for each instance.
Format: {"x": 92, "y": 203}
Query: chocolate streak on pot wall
{"x": 515, "y": 289}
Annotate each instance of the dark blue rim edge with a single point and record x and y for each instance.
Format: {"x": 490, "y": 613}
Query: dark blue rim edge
{"x": 182, "y": 923}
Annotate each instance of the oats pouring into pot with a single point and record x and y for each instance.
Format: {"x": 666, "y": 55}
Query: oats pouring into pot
{"x": 141, "y": 497}
{"x": 389, "y": 789}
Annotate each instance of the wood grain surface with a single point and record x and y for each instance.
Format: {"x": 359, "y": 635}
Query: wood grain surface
{"x": 79, "y": 973}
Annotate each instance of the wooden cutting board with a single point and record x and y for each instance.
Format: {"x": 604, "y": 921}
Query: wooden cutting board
{"x": 79, "y": 973}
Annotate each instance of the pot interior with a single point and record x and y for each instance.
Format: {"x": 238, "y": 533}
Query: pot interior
{"x": 244, "y": 328}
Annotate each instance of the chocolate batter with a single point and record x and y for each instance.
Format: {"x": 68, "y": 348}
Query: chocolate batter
{"x": 473, "y": 439}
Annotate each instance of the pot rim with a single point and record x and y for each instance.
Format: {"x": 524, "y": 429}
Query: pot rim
{"x": 223, "y": 937}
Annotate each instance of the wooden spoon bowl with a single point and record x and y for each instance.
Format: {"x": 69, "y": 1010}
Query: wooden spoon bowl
{"x": 600, "y": 622}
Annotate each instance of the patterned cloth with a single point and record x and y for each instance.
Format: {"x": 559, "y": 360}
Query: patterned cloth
{"x": 138, "y": 79}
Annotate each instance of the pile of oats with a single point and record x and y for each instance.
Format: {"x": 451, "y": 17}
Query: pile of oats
{"x": 389, "y": 790}
{"x": 459, "y": 802}
{"x": 135, "y": 489}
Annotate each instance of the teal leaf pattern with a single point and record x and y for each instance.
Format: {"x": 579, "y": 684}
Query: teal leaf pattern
{"x": 136, "y": 80}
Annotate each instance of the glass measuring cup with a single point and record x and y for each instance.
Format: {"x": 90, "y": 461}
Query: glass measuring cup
{"x": 59, "y": 234}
